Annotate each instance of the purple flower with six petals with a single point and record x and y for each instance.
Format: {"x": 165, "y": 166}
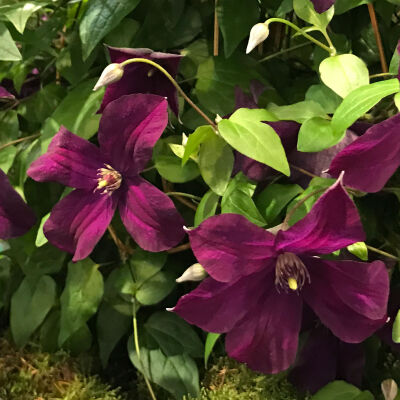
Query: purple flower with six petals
{"x": 143, "y": 78}
{"x": 107, "y": 177}
{"x": 258, "y": 282}
{"x": 16, "y": 218}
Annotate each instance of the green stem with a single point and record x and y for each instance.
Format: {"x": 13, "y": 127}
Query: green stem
{"x": 381, "y": 75}
{"x": 328, "y": 39}
{"x": 19, "y": 141}
{"x": 190, "y": 196}
{"x": 277, "y": 54}
{"x": 383, "y": 253}
{"x": 330, "y": 50}
{"x": 173, "y": 81}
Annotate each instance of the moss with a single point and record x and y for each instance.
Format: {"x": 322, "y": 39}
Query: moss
{"x": 28, "y": 375}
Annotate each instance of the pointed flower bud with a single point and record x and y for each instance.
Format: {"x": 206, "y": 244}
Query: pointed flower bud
{"x": 194, "y": 273}
{"x": 259, "y": 32}
{"x": 184, "y": 139}
{"x": 112, "y": 73}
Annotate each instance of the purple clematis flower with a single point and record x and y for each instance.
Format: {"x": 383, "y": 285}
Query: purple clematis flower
{"x": 371, "y": 159}
{"x": 143, "y": 78}
{"x": 258, "y": 282}
{"x": 16, "y": 218}
{"x": 108, "y": 177}
{"x": 322, "y": 5}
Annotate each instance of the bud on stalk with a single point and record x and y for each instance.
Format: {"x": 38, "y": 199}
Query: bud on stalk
{"x": 112, "y": 73}
{"x": 259, "y": 32}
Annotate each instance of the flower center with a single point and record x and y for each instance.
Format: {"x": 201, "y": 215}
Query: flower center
{"x": 109, "y": 180}
{"x": 290, "y": 273}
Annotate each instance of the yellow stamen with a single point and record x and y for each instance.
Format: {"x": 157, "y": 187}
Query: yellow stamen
{"x": 101, "y": 183}
{"x": 292, "y": 284}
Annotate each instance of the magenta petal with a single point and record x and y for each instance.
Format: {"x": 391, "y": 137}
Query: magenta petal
{"x": 349, "y": 297}
{"x": 372, "y": 159}
{"x": 129, "y": 129}
{"x": 150, "y": 216}
{"x": 143, "y": 78}
{"x": 79, "y": 220}
{"x": 5, "y": 94}
{"x": 332, "y": 223}
{"x": 266, "y": 339}
{"x": 69, "y": 160}
{"x": 229, "y": 246}
{"x": 216, "y": 307}
{"x": 16, "y": 218}
{"x": 322, "y": 5}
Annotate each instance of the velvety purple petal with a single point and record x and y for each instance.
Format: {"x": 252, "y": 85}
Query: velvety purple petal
{"x": 69, "y": 160}
{"x": 332, "y": 223}
{"x": 217, "y": 307}
{"x": 322, "y": 5}
{"x": 143, "y": 78}
{"x": 372, "y": 159}
{"x": 129, "y": 129}
{"x": 266, "y": 339}
{"x": 5, "y": 94}
{"x": 79, "y": 220}
{"x": 16, "y": 218}
{"x": 150, "y": 216}
{"x": 229, "y": 246}
{"x": 349, "y": 297}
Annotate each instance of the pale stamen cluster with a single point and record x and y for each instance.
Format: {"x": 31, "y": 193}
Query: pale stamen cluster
{"x": 109, "y": 180}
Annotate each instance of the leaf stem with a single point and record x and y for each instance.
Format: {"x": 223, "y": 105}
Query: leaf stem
{"x": 19, "y": 141}
{"x": 190, "y": 196}
{"x": 381, "y": 75}
{"x": 173, "y": 81}
{"x": 178, "y": 249}
{"x": 277, "y": 54}
{"x": 330, "y": 50}
{"x": 123, "y": 250}
{"x": 383, "y": 253}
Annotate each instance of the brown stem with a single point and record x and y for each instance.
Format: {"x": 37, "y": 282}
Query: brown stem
{"x": 19, "y": 140}
{"x": 303, "y": 171}
{"x": 216, "y": 31}
{"x": 378, "y": 38}
{"x": 186, "y": 202}
{"x": 124, "y": 251}
{"x": 178, "y": 249}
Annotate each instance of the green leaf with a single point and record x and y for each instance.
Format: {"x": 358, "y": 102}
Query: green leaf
{"x": 305, "y": 10}
{"x": 359, "y": 249}
{"x": 111, "y": 327}
{"x": 324, "y": 96}
{"x": 216, "y": 163}
{"x": 8, "y": 50}
{"x": 9, "y": 126}
{"x": 273, "y": 199}
{"x": 210, "y": 343}
{"x": 29, "y": 306}
{"x": 195, "y": 139}
{"x": 235, "y": 19}
{"x": 100, "y": 18}
{"x": 317, "y": 134}
{"x": 7, "y": 157}
{"x": 340, "y": 390}
{"x": 344, "y": 73}
{"x": 252, "y": 115}
{"x": 206, "y": 208}
{"x": 18, "y": 14}
{"x": 298, "y": 112}
{"x": 396, "y": 329}
{"x": 359, "y": 101}
{"x": 173, "y": 334}
{"x": 81, "y": 297}
{"x": 257, "y": 141}
{"x": 40, "y": 238}
{"x": 341, "y": 6}
{"x": 152, "y": 283}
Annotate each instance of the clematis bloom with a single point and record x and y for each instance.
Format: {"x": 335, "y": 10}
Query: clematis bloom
{"x": 322, "y": 5}
{"x": 16, "y": 218}
{"x": 258, "y": 282}
{"x": 108, "y": 176}
{"x": 371, "y": 159}
{"x": 143, "y": 78}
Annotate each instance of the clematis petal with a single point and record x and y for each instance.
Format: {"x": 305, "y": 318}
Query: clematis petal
{"x": 143, "y": 78}
{"x": 322, "y": 5}
{"x": 266, "y": 339}
{"x": 150, "y": 216}
{"x": 69, "y": 160}
{"x": 5, "y": 94}
{"x": 16, "y": 218}
{"x": 372, "y": 159}
{"x": 129, "y": 129}
{"x": 229, "y": 246}
{"x": 79, "y": 220}
{"x": 229, "y": 302}
{"x": 349, "y": 297}
{"x": 332, "y": 223}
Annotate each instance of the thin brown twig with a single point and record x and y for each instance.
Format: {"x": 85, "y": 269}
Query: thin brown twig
{"x": 123, "y": 250}
{"x": 19, "y": 140}
{"x": 178, "y": 249}
{"x": 378, "y": 38}
{"x": 186, "y": 202}
{"x": 303, "y": 171}
{"x": 216, "y": 31}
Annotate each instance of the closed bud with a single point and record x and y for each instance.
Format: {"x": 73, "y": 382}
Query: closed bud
{"x": 184, "y": 140}
{"x": 112, "y": 73}
{"x": 194, "y": 273}
{"x": 259, "y": 32}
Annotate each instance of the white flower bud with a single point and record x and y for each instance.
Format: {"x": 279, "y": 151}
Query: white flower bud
{"x": 112, "y": 73}
{"x": 184, "y": 140}
{"x": 259, "y": 32}
{"x": 194, "y": 273}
